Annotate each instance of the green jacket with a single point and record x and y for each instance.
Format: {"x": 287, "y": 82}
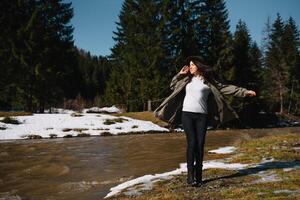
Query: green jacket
{"x": 219, "y": 111}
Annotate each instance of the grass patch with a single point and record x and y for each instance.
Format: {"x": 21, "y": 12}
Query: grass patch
{"x": 67, "y": 129}
{"x": 52, "y": 135}
{"x": 147, "y": 116}
{"x": 80, "y": 129}
{"x": 76, "y": 115}
{"x": 101, "y": 129}
{"x": 134, "y": 126}
{"x": 10, "y": 120}
{"x": 279, "y": 147}
{"x": 13, "y": 114}
{"x": 68, "y": 136}
{"x": 113, "y": 121}
{"x": 32, "y": 136}
{"x": 83, "y": 135}
{"x": 259, "y": 191}
{"x": 106, "y": 134}
{"x": 75, "y": 129}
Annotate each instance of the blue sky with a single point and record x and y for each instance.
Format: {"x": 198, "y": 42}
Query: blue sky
{"x": 94, "y": 20}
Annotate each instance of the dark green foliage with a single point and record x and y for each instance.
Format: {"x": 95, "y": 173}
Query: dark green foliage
{"x": 94, "y": 71}
{"x": 38, "y": 54}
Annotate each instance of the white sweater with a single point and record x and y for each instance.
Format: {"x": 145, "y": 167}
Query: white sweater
{"x": 196, "y": 96}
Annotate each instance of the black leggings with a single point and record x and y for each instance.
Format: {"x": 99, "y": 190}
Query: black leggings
{"x": 194, "y": 125}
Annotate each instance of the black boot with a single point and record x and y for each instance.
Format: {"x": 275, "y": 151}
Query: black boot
{"x": 190, "y": 176}
{"x": 198, "y": 177}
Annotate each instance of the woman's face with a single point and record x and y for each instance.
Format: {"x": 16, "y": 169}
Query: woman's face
{"x": 193, "y": 68}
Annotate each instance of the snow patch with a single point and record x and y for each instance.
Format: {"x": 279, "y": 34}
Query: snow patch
{"x": 112, "y": 109}
{"x": 287, "y": 191}
{"x": 288, "y": 169}
{"x": 223, "y": 150}
{"x": 267, "y": 176}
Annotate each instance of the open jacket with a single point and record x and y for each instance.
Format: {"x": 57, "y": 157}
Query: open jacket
{"x": 219, "y": 111}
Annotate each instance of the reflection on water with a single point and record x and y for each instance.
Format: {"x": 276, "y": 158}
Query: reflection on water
{"x": 86, "y": 168}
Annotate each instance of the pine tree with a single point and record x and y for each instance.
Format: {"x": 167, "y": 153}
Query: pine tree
{"x": 257, "y": 70}
{"x": 247, "y": 72}
{"x": 241, "y": 45}
{"x": 214, "y": 37}
{"x": 241, "y": 73}
{"x": 253, "y": 106}
{"x": 290, "y": 49}
{"x": 41, "y": 45}
{"x": 179, "y": 34}
{"x": 277, "y": 72}
{"x": 12, "y": 15}
{"x": 23, "y": 47}
{"x": 136, "y": 57}
{"x": 266, "y": 36}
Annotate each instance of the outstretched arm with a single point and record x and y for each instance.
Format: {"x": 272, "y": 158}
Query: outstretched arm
{"x": 234, "y": 90}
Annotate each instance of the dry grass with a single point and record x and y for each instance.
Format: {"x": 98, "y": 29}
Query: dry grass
{"x": 12, "y": 114}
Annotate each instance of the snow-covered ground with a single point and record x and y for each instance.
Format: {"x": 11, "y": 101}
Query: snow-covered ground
{"x": 69, "y": 124}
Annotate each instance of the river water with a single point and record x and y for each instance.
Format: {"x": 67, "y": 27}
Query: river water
{"x": 86, "y": 168}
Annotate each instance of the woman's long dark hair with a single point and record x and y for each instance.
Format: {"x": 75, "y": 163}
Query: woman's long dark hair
{"x": 206, "y": 71}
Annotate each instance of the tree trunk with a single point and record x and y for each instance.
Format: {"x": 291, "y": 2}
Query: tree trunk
{"x": 29, "y": 97}
{"x": 281, "y": 98}
{"x": 291, "y": 97}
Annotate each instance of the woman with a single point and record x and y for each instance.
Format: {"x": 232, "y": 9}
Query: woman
{"x": 197, "y": 99}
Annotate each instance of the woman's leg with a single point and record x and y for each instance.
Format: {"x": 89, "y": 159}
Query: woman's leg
{"x": 201, "y": 126}
{"x": 190, "y": 132}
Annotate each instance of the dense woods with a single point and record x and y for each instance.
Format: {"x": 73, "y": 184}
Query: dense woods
{"x": 40, "y": 67}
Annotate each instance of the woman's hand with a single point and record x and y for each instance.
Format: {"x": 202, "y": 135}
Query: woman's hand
{"x": 250, "y": 93}
{"x": 184, "y": 70}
